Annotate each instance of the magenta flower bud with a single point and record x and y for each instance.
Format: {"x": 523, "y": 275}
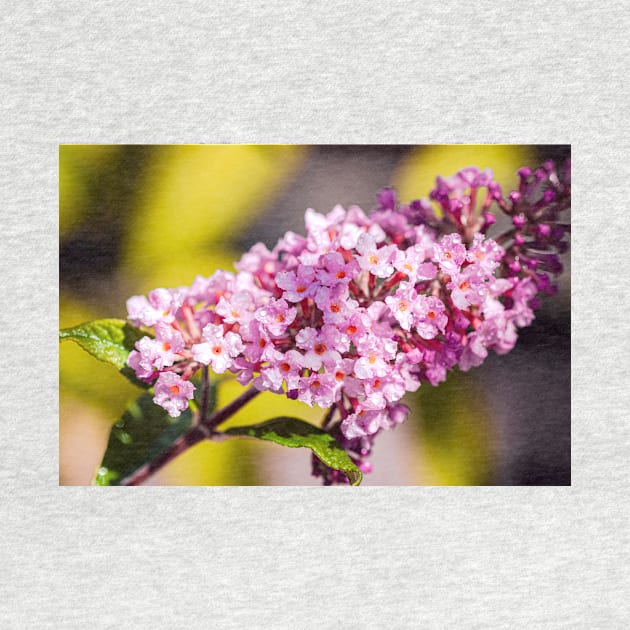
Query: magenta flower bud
{"x": 519, "y": 221}
{"x": 387, "y": 198}
{"x": 515, "y": 266}
{"x": 557, "y": 233}
{"x": 515, "y": 196}
{"x": 531, "y": 263}
{"x": 549, "y": 166}
{"x": 524, "y": 172}
{"x": 519, "y": 239}
{"x": 543, "y": 230}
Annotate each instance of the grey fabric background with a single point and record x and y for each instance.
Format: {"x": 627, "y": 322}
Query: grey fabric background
{"x": 301, "y": 72}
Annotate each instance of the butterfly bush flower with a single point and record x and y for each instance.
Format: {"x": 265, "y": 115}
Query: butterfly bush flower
{"x": 365, "y": 308}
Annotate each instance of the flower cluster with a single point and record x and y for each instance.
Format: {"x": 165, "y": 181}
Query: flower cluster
{"x": 364, "y": 308}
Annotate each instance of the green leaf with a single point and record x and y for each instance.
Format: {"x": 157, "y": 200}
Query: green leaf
{"x": 108, "y": 340}
{"x": 296, "y": 433}
{"x": 142, "y": 434}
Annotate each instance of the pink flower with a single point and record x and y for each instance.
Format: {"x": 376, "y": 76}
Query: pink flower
{"x": 485, "y": 253}
{"x": 238, "y": 308}
{"x": 378, "y": 261}
{"x": 411, "y": 263}
{"x": 152, "y": 355}
{"x": 285, "y": 367}
{"x": 334, "y": 303}
{"x": 319, "y": 347}
{"x": 468, "y": 288}
{"x": 321, "y": 228}
{"x": 297, "y": 285}
{"x": 336, "y": 270}
{"x": 258, "y": 345}
{"x": 217, "y": 349}
{"x": 172, "y": 393}
{"x": 450, "y": 253}
{"x": 276, "y": 316}
{"x": 430, "y": 316}
{"x": 161, "y": 305}
{"x": 362, "y": 423}
{"x": 317, "y": 389}
{"x": 401, "y": 304}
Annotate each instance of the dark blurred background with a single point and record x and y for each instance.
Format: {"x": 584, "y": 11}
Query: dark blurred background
{"x": 133, "y": 218}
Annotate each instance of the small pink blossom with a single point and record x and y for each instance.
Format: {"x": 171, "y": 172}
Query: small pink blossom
{"x": 430, "y": 317}
{"x": 238, "y": 308}
{"x": 172, "y": 393}
{"x": 401, "y": 304}
{"x": 276, "y": 316}
{"x": 317, "y": 389}
{"x": 161, "y": 305}
{"x": 411, "y": 263}
{"x": 297, "y": 285}
{"x": 335, "y": 304}
{"x": 217, "y": 349}
{"x": 320, "y": 348}
{"x": 378, "y": 261}
{"x": 336, "y": 270}
{"x": 450, "y": 253}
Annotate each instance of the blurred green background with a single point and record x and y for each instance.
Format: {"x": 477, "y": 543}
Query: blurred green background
{"x": 133, "y": 218}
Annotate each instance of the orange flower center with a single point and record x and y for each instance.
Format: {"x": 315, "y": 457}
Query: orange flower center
{"x": 217, "y": 349}
{"x": 319, "y": 348}
{"x": 174, "y": 389}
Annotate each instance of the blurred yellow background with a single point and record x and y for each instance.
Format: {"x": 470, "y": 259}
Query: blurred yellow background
{"x": 133, "y": 218}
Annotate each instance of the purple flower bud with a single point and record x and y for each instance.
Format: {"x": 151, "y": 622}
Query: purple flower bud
{"x": 519, "y": 239}
{"x": 515, "y": 196}
{"x": 515, "y": 267}
{"x": 543, "y": 230}
{"x": 548, "y": 166}
{"x": 387, "y": 198}
{"x": 519, "y": 221}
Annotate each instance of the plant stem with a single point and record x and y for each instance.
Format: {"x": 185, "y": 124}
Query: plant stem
{"x": 181, "y": 444}
{"x": 204, "y": 429}
{"x": 205, "y": 392}
{"x": 229, "y": 410}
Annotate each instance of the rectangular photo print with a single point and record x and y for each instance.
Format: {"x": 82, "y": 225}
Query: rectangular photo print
{"x": 288, "y": 315}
